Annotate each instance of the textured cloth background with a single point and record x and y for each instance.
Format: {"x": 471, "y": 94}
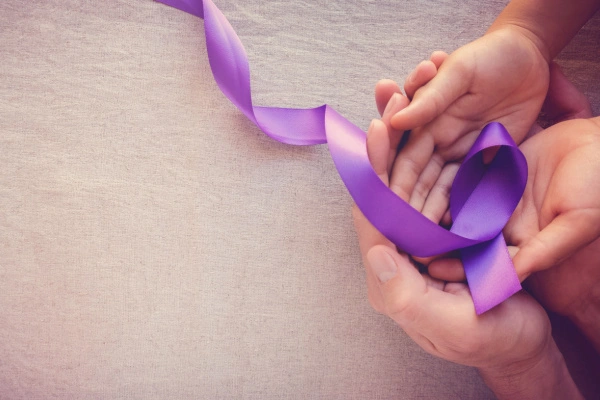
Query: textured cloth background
{"x": 154, "y": 244}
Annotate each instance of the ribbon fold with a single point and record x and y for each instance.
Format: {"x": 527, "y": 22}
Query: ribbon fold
{"x": 482, "y": 197}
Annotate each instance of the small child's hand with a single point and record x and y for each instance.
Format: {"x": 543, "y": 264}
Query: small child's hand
{"x": 501, "y": 76}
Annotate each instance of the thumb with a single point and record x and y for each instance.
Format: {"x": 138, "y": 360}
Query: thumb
{"x": 400, "y": 284}
{"x": 430, "y": 316}
{"x": 561, "y": 238}
{"x": 384, "y": 90}
{"x": 431, "y": 100}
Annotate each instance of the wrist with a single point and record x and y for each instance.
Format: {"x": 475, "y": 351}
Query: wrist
{"x": 551, "y": 24}
{"x": 543, "y": 377}
{"x": 527, "y": 35}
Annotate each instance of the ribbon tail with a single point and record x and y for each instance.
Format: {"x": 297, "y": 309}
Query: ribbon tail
{"x": 193, "y": 7}
{"x": 488, "y": 266}
{"x": 490, "y": 273}
{"x": 230, "y": 68}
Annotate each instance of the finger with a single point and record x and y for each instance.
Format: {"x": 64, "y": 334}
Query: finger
{"x": 421, "y": 263}
{"x": 378, "y": 149}
{"x": 566, "y": 234}
{"x": 438, "y": 200}
{"x": 451, "y": 81}
{"x": 453, "y": 137}
{"x": 410, "y": 163}
{"x": 422, "y": 74}
{"x": 384, "y": 89}
{"x": 396, "y": 103}
{"x": 426, "y": 181}
{"x": 447, "y": 269}
{"x": 426, "y": 261}
{"x": 450, "y": 268}
{"x": 438, "y": 57}
{"x": 446, "y": 219}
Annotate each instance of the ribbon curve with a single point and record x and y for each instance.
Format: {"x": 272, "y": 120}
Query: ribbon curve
{"x": 482, "y": 197}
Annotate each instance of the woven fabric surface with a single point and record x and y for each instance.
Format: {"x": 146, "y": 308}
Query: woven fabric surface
{"x": 154, "y": 244}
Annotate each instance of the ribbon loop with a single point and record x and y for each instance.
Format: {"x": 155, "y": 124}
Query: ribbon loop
{"x": 482, "y": 199}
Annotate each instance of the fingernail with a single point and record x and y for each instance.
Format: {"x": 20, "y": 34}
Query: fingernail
{"x": 371, "y": 125}
{"x": 391, "y": 103}
{"x": 394, "y": 119}
{"x": 382, "y": 264}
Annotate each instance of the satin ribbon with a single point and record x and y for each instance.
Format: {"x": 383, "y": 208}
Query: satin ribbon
{"x": 482, "y": 197}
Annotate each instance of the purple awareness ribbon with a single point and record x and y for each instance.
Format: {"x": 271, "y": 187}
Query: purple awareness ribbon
{"x": 482, "y": 197}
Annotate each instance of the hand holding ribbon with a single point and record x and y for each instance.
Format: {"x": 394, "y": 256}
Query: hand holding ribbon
{"x": 482, "y": 199}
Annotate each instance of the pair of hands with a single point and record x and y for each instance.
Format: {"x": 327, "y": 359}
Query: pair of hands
{"x": 500, "y": 77}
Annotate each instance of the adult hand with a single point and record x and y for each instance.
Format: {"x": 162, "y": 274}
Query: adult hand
{"x": 510, "y": 343}
{"x": 441, "y": 317}
{"x": 556, "y": 226}
{"x": 557, "y": 223}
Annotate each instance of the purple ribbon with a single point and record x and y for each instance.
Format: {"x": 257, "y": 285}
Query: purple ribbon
{"x": 482, "y": 197}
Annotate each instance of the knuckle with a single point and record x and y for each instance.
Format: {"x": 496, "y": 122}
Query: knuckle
{"x": 400, "y": 307}
{"x": 437, "y": 99}
{"x": 420, "y": 191}
{"x": 442, "y": 189}
{"x": 409, "y": 166}
{"x": 376, "y": 304}
{"x": 398, "y": 189}
{"x": 542, "y": 247}
{"x": 438, "y": 159}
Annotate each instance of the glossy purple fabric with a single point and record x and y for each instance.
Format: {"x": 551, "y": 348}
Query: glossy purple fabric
{"x": 482, "y": 196}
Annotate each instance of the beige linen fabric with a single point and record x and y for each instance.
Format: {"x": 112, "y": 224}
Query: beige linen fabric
{"x": 154, "y": 244}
